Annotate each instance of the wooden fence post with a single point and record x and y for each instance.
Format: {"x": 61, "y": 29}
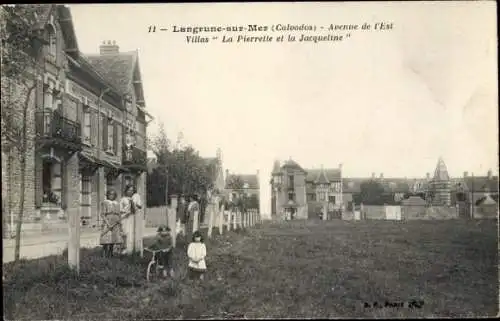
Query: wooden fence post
{"x": 172, "y": 219}
{"x": 221, "y": 219}
{"x": 235, "y": 218}
{"x": 74, "y": 239}
{"x": 253, "y": 217}
{"x": 211, "y": 217}
{"x": 229, "y": 220}
{"x": 196, "y": 220}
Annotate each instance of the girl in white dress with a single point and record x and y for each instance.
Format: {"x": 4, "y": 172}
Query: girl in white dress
{"x": 197, "y": 253}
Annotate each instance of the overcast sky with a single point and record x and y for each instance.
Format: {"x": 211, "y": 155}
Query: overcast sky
{"x": 390, "y": 102}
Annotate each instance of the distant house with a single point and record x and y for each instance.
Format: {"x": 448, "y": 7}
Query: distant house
{"x": 473, "y": 189}
{"x": 247, "y": 185}
{"x": 288, "y": 190}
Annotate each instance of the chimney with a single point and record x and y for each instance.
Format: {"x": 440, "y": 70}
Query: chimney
{"x": 428, "y": 176}
{"x": 381, "y": 175}
{"x": 490, "y": 174}
{"x": 109, "y": 48}
{"x": 466, "y": 174}
{"x": 373, "y": 175}
{"x": 227, "y": 173}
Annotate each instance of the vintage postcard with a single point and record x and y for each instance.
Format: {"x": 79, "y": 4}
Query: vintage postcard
{"x": 250, "y": 160}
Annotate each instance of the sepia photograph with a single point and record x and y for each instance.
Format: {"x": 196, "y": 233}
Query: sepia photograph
{"x": 250, "y": 160}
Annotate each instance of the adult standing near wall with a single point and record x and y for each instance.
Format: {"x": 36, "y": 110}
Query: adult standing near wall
{"x": 192, "y": 207}
{"x": 182, "y": 213}
{"x": 128, "y": 211}
{"x": 140, "y": 220}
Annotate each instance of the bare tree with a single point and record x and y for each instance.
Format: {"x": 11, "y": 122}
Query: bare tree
{"x": 22, "y": 45}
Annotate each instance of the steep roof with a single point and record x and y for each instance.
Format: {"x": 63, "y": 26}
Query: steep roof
{"x": 332, "y": 174}
{"x": 322, "y": 179}
{"x": 486, "y": 200}
{"x": 119, "y": 68}
{"x": 441, "y": 173}
{"x": 291, "y": 164}
{"x": 68, "y": 30}
{"x": 251, "y": 179}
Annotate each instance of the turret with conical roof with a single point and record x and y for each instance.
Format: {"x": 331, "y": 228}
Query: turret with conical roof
{"x": 276, "y": 167}
{"x": 441, "y": 185}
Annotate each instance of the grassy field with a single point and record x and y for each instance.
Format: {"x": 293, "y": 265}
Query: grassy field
{"x": 283, "y": 270}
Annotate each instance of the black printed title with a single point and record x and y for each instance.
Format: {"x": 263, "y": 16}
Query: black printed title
{"x": 280, "y": 33}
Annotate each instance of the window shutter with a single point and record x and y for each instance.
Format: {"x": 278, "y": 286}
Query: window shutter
{"x": 105, "y": 133}
{"x": 94, "y": 123}
{"x": 115, "y": 138}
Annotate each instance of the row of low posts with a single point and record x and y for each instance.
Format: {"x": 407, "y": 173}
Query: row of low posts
{"x": 216, "y": 215}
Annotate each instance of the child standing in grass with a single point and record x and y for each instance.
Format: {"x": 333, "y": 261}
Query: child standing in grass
{"x": 197, "y": 253}
{"x": 163, "y": 243}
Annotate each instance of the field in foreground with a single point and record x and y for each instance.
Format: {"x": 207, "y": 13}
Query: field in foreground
{"x": 286, "y": 270}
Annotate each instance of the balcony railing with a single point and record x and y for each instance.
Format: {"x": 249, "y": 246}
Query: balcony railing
{"x": 134, "y": 156}
{"x": 52, "y": 126}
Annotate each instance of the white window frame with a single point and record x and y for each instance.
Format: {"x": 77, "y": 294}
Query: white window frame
{"x": 111, "y": 136}
{"x": 87, "y": 126}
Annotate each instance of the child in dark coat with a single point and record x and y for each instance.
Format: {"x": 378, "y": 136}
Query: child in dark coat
{"x": 163, "y": 243}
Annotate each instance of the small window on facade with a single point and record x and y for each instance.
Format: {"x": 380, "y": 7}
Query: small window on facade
{"x": 111, "y": 136}
{"x": 86, "y": 126}
{"x": 52, "y": 39}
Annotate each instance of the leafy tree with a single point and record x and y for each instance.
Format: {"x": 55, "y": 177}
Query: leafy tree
{"x": 179, "y": 167}
{"x": 372, "y": 193}
{"x": 21, "y": 53}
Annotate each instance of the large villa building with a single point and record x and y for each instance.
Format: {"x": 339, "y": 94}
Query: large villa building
{"x": 306, "y": 193}
{"x": 87, "y": 132}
